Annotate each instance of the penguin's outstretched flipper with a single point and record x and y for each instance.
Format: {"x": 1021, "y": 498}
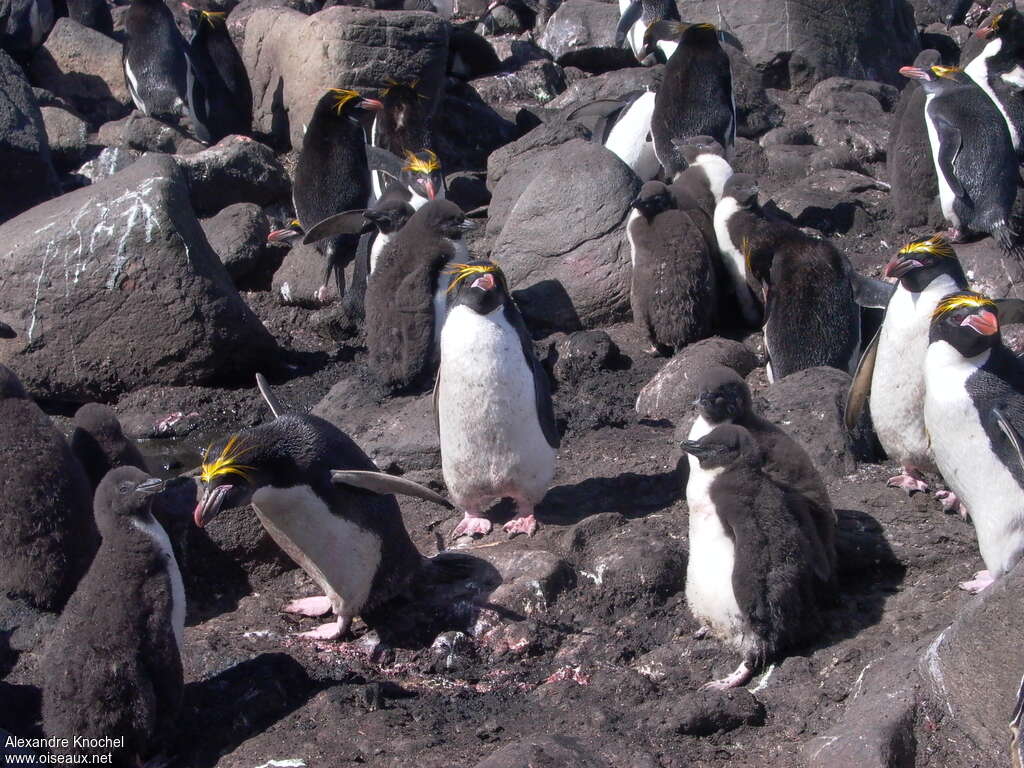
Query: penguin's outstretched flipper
{"x": 276, "y": 407}
{"x": 1007, "y": 428}
{"x": 345, "y": 223}
{"x": 860, "y": 388}
{"x": 871, "y": 292}
{"x": 382, "y": 483}
{"x": 630, "y": 16}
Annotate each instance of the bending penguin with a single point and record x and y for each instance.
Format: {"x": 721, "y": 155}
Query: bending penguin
{"x": 113, "y": 665}
{"x": 323, "y": 501}
{"x": 492, "y": 402}
{"x": 624, "y": 128}
{"x": 154, "y": 60}
{"x": 672, "y": 289}
{"x": 635, "y": 17}
{"x": 975, "y": 163}
{"x": 752, "y": 577}
{"x": 974, "y": 396}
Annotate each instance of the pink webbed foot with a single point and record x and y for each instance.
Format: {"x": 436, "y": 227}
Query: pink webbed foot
{"x": 332, "y": 631}
{"x": 980, "y": 582}
{"x": 951, "y": 504}
{"x": 471, "y": 525}
{"x": 321, "y": 295}
{"x": 955, "y": 235}
{"x": 740, "y": 677}
{"x": 526, "y": 524}
{"x": 912, "y": 481}
{"x": 309, "y": 606}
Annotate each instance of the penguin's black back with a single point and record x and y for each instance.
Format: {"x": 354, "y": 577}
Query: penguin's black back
{"x": 695, "y": 99}
{"x": 658, "y": 10}
{"x": 404, "y": 123}
{"x": 112, "y": 666}
{"x": 155, "y": 51}
{"x": 999, "y": 383}
{"x": 219, "y": 94}
{"x": 673, "y": 285}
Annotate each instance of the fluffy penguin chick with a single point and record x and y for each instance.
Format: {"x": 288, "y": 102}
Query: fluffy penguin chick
{"x": 113, "y": 665}
{"x": 672, "y": 291}
{"x": 750, "y": 578}
{"x": 974, "y": 415}
{"x": 493, "y": 405}
{"x": 100, "y": 444}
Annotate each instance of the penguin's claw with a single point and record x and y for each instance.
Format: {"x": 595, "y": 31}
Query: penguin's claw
{"x": 740, "y": 677}
{"x": 909, "y": 483}
{"x": 321, "y": 295}
{"x": 526, "y": 524}
{"x": 951, "y": 504}
{"x": 332, "y": 631}
{"x": 309, "y": 606}
{"x": 472, "y": 526}
{"x": 981, "y": 581}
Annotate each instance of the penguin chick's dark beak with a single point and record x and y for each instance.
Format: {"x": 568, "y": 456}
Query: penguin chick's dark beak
{"x": 485, "y": 282}
{"x": 693, "y": 448}
{"x": 900, "y": 266}
{"x": 915, "y": 73}
{"x": 209, "y": 506}
{"x": 151, "y": 486}
{"x": 374, "y": 105}
{"x": 986, "y": 323}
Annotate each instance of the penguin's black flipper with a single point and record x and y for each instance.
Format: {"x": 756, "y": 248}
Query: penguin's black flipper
{"x": 600, "y": 108}
{"x": 6, "y": 332}
{"x": 276, "y": 407}
{"x": 379, "y": 159}
{"x": 1007, "y": 428}
{"x": 950, "y": 141}
{"x": 871, "y": 292}
{"x": 1011, "y": 311}
{"x": 860, "y": 387}
{"x": 384, "y": 484}
{"x": 629, "y": 17}
{"x": 541, "y": 385}
{"x": 345, "y": 223}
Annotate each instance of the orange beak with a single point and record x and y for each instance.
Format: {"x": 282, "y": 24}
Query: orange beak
{"x": 986, "y": 323}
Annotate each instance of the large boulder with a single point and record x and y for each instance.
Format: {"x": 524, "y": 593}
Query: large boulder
{"x": 581, "y": 33}
{"x": 292, "y": 59}
{"x": 562, "y": 246}
{"x": 28, "y": 174}
{"x": 235, "y": 170}
{"x": 868, "y": 40}
{"x": 115, "y": 286}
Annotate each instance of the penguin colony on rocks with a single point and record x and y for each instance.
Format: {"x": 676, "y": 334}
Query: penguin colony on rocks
{"x": 704, "y": 254}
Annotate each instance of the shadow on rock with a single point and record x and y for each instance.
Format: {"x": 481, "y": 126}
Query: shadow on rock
{"x": 629, "y": 493}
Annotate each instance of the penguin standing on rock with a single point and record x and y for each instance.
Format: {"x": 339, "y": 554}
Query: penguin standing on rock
{"x": 672, "y": 292}
{"x": 219, "y": 94}
{"x": 974, "y": 415}
{"x": 323, "y": 501}
{"x": 406, "y": 296}
{"x": 624, "y": 128}
{"x": 635, "y": 17}
{"x": 113, "y": 666}
{"x": 695, "y": 97}
{"x": 752, "y": 577}
{"x": 999, "y": 70}
{"x": 975, "y": 163}
{"x": 493, "y": 404}
{"x": 154, "y": 60}
{"x": 724, "y": 398}
{"x": 332, "y": 174}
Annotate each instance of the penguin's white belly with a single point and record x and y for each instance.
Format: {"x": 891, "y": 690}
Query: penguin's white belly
{"x": 697, "y": 431}
{"x": 667, "y": 47}
{"x": 634, "y": 214}
{"x": 964, "y": 456}
{"x": 709, "y": 589}
{"x": 375, "y": 250}
{"x": 159, "y": 536}
{"x": 735, "y": 262}
{"x": 340, "y": 556}
{"x": 718, "y": 171}
{"x": 492, "y": 444}
{"x": 897, "y": 384}
{"x": 977, "y": 70}
{"x": 946, "y": 195}
{"x": 630, "y": 138}
{"x": 133, "y": 86}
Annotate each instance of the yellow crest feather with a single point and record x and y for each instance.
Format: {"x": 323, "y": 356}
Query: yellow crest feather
{"x": 460, "y": 272}
{"x": 213, "y": 17}
{"x": 936, "y": 245}
{"x": 418, "y": 164}
{"x": 963, "y": 299}
{"x": 342, "y": 97}
{"x": 943, "y": 71}
{"x": 227, "y": 462}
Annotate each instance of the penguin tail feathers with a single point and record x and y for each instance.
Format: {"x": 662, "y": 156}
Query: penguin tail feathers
{"x": 1008, "y": 240}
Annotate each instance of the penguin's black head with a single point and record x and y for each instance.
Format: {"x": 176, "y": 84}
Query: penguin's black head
{"x": 687, "y": 34}
{"x": 345, "y": 104}
{"x": 400, "y": 99}
{"x": 479, "y": 285}
{"x": 724, "y": 446}
{"x": 918, "y": 263}
{"x": 229, "y": 477}
{"x": 286, "y": 234}
{"x": 654, "y": 198}
{"x": 390, "y": 216}
{"x": 200, "y": 19}
{"x": 99, "y": 420}
{"x": 695, "y": 146}
{"x": 422, "y": 173}
{"x": 124, "y": 493}
{"x": 445, "y": 218}
{"x": 742, "y": 187}
{"x": 10, "y": 385}
{"x": 722, "y": 396}
{"x": 967, "y": 321}
{"x": 1008, "y": 25}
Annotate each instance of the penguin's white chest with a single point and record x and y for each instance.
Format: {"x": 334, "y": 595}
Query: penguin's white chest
{"x": 718, "y": 171}
{"x": 377, "y": 248}
{"x": 946, "y": 195}
{"x": 697, "y": 431}
{"x": 709, "y": 588}
{"x": 340, "y": 556}
{"x": 492, "y": 444}
{"x": 897, "y": 384}
{"x": 733, "y": 259}
{"x": 977, "y": 70}
{"x": 630, "y": 138}
{"x": 964, "y": 456}
{"x": 156, "y": 532}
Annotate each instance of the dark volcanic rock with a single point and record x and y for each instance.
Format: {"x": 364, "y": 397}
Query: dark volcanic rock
{"x": 300, "y": 276}
{"x": 833, "y": 201}
{"x": 569, "y": 265}
{"x": 66, "y": 135}
{"x": 238, "y": 235}
{"x": 611, "y": 566}
{"x": 467, "y": 130}
{"x": 147, "y": 134}
{"x": 237, "y": 170}
{"x": 989, "y": 271}
{"x": 670, "y": 394}
{"x": 583, "y": 354}
{"x": 536, "y": 81}
{"x": 83, "y": 66}
{"x": 292, "y": 59}
{"x": 108, "y": 162}
{"x": 28, "y": 176}
{"x": 114, "y": 286}
{"x": 610, "y": 85}
{"x": 702, "y": 713}
{"x": 855, "y": 98}
{"x": 581, "y": 33}
{"x": 544, "y": 750}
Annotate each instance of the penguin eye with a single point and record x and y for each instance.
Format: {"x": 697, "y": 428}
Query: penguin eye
{"x": 125, "y": 488}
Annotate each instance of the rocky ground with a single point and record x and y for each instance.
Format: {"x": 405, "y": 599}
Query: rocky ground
{"x": 135, "y": 270}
